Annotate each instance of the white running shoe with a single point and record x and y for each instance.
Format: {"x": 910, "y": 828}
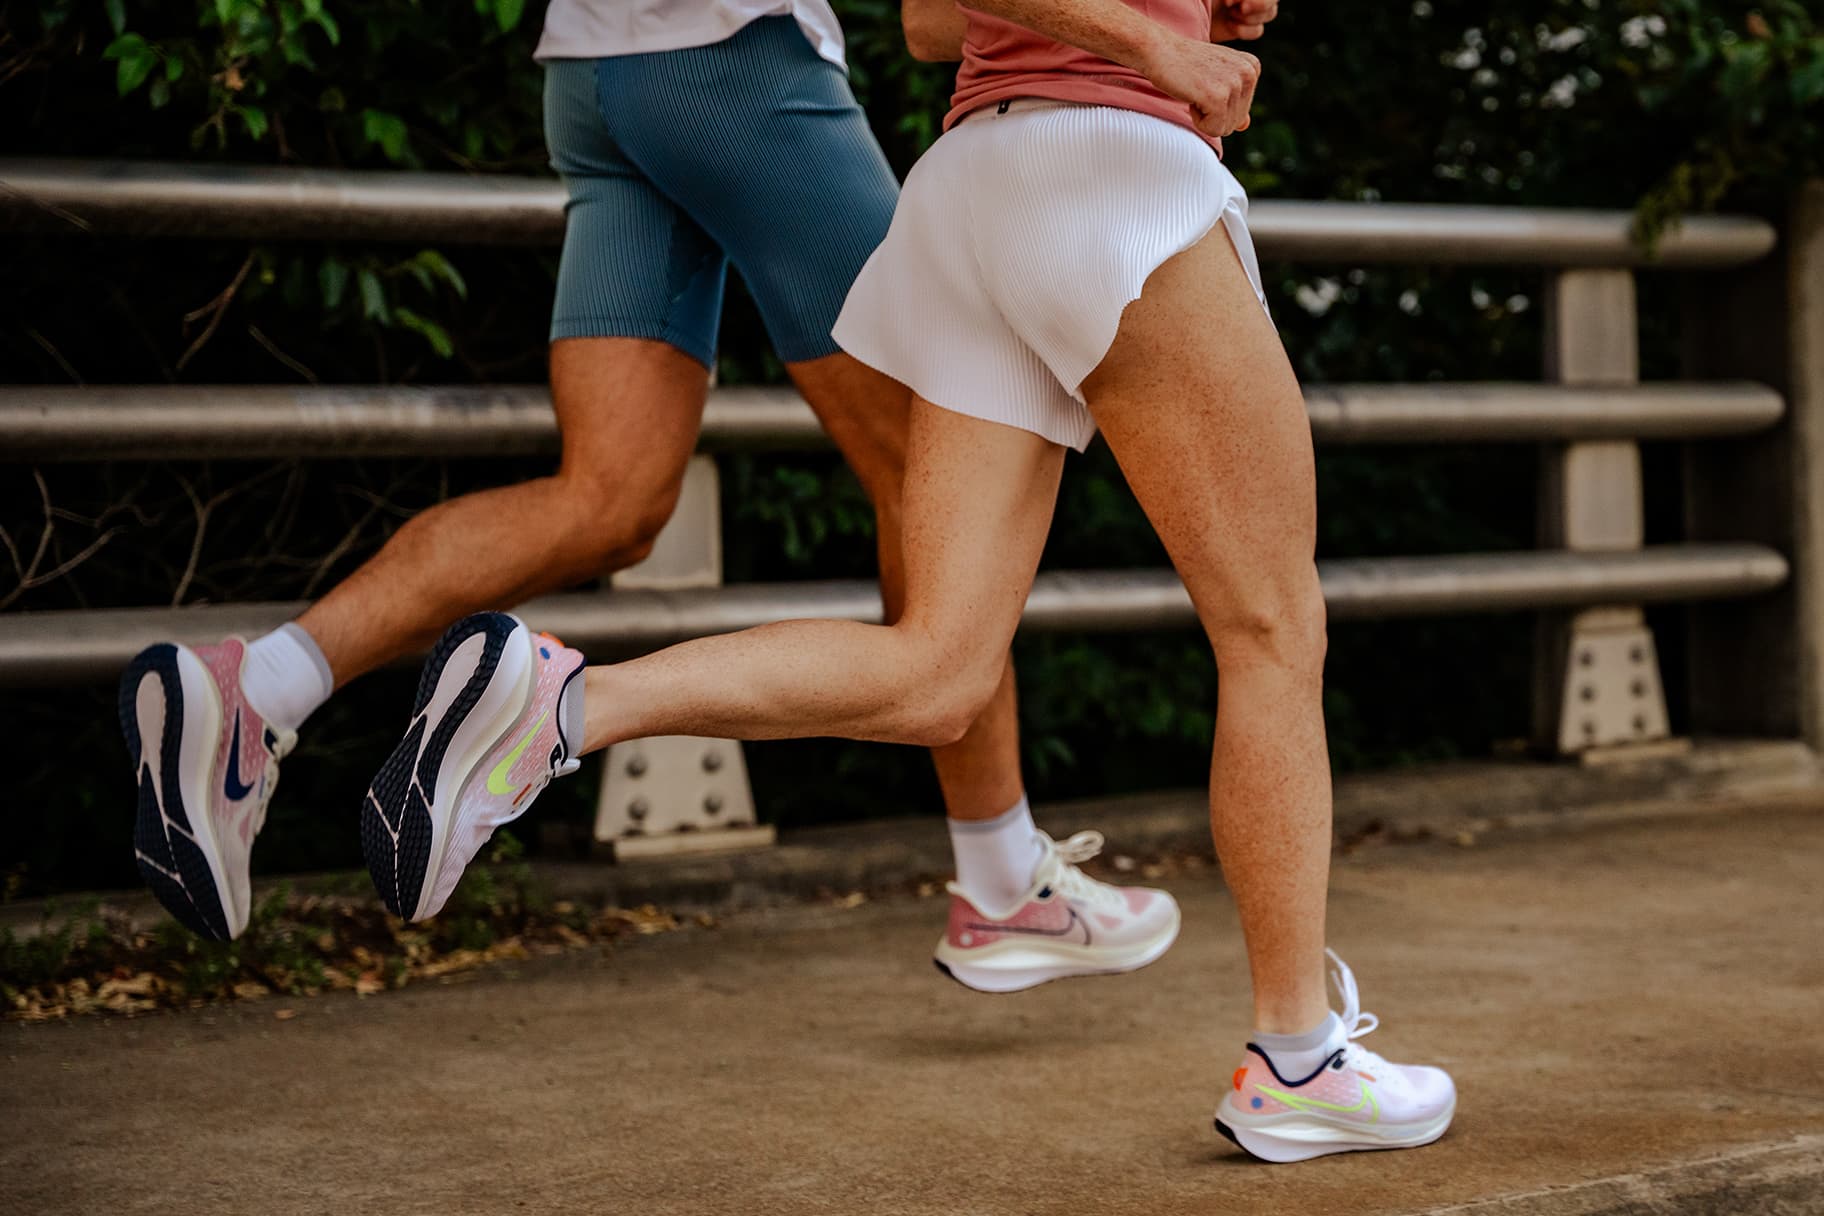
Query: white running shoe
{"x": 1067, "y": 924}
{"x": 499, "y": 714}
{"x": 1354, "y": 1101}
{"x": 205, "y": 764}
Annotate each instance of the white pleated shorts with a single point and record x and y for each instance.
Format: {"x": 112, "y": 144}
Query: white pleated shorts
{"x": 1019, "y": 239}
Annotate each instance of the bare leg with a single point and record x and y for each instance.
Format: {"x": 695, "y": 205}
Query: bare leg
{"x": 977, "y": 504}
{"x": 866, "y": 414}
{"x": 629, "y": 410}
{"x": 1201, "y": 408}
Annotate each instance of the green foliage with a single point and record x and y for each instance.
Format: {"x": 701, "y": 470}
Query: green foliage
{"x": 491, "y": 901}
{"x": 59, "y": 944}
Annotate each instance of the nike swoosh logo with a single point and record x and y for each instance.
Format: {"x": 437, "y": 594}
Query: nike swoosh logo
{"x": 497, "y": 780}
{"x": 1366, "y": 1101}
{"x": 232, "y": 785}
{"x": 1065, "y": 931}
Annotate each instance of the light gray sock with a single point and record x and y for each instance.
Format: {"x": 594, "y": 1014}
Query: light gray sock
{"x": 1297, "y": 1056}
{"x": 285, "y": 676}
{"x": 997, "y": 858}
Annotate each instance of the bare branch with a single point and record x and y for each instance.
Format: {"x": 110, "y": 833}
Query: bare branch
{"x": 196, "y": 541}
{"x": 50, "y": 526}
{"x": 61, "y": 569}
{"x": 44, "y": 343}
{"x": 215, "y": 310}
{"x": 273, "y": 350}
{"x": 12, "y": 551}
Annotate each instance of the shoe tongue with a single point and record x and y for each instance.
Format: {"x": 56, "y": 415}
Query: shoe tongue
{"x": 570, "y": 719}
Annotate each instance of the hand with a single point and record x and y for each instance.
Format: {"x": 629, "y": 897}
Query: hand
{"x": 1242, "y": 20}
{"x": 1217, "y": 81}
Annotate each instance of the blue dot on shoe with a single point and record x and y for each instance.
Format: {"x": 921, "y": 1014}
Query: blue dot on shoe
{"x": 1256, "y": 1104}
{"x": 543, "y": 652}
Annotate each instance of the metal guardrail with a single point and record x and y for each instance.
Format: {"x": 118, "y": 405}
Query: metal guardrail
{"x": 171, "y": 422}
{"x": 151, "y": 198}
{"x": 1598, "y": 680}
{"x": 65, "y": 647}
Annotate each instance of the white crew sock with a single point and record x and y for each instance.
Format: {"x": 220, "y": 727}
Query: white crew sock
{"x": 1297, "y": 1056}
{"x": 285, "y": 677}
{"x": 997, "y": 858}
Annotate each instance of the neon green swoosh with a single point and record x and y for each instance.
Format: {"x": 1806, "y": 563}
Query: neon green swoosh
{"x": 1308, "y": 1104}
{"x": 497, "y": 780}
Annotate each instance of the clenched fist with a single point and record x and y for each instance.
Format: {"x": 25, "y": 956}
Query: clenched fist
{"x": 1217, "y": 81}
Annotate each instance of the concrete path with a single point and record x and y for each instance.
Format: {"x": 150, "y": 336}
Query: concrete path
{"x": 1632, "y": 1013}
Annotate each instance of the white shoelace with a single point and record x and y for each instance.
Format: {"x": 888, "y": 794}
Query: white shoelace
{"x": 1059, "y": 870}
{"x": 1356, "y": 1021}
{"x": 282, "y": 743}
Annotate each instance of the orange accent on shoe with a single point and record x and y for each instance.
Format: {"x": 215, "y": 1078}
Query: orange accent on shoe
{"x": 555, "y": 640}
{"x": 1241, "y": 1074}
{"x": 1363, "y": 1075}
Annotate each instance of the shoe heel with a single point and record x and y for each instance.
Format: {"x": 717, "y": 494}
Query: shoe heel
{"x": 403, "y": 828}
{"x": 159, "y": 705}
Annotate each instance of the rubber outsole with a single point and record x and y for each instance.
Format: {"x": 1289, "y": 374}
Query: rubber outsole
{"x": 1307, "y": 1151}
{"x": 164, "y": 845}
{"x": 396, "y": 827}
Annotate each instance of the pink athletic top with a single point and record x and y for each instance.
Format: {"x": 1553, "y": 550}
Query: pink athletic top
{"x": 1002, "y": 61}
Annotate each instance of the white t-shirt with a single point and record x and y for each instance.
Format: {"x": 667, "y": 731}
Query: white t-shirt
{"x": 596, "y": 29}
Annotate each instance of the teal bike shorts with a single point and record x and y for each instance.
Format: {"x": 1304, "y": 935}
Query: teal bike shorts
{"x": 751, "y": 150}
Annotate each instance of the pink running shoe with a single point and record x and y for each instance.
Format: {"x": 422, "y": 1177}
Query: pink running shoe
{"x": 1354, "y": 1101}
{"x": 499, "y": 714}
{"x": 1067, "y": 924}
{"x": 205, "y": 764}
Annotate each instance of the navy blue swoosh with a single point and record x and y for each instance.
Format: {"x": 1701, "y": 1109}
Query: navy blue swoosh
{"x": 1074, "y": 922}
{"x": 231, "y": 781}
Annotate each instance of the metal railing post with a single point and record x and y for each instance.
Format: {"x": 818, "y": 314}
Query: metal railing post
{"x": 678, "y": 793}
{"x": 1805, "y": 371}
{"x": 1759, "y": 669}
{"x": 1596, "y": 672}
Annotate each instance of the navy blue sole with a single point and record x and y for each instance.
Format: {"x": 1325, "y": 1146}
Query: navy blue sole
{"x": 164, "y": 848}
{"x": 396, "y": 829}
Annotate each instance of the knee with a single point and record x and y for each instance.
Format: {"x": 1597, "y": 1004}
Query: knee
{"x": 943, "y": 696}
{"x": 609, "y": 528}
{"x": 1281, "y": 626}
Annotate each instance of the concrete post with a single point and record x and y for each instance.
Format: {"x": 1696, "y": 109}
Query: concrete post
{"x": 1596, "y": 673}
{"x": 1757, "y": 665}
{"x": 679, "y": 794}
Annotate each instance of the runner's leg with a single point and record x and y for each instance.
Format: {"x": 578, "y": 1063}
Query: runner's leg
{"x": 865, "y": 414}
{"x": 978, "y": 504}
{"x": 1200, "y": 407}
{"x": 798, "y": 240}
{"x": 628, "y": 410}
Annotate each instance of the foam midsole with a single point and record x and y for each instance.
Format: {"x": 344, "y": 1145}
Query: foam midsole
{"x": 1019, "y": 955}
{"x": 1306, "y": 1128}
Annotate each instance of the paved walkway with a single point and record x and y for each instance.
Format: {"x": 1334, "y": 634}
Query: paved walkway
{"x": 1617, "y": 1003}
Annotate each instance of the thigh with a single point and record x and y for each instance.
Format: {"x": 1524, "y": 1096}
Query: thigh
{"x": 761, "y": 141}
{"x": 1200, "y": 406}
{"x": 978, "y": 504}
{"x": 634, "y": 262}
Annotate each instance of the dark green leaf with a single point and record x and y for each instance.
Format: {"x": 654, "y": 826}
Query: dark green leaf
{"x": 332, "y": 279}
{"x": 373, "y": 298}
{"x": 432, "y": 332}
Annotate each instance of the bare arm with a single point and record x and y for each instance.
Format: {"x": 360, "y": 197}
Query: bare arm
{"x": 1217, "y": 81}
{"x": 934, "y": 29}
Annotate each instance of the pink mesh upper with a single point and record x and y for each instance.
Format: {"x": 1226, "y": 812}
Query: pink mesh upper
{"x": 241, "y": 818}
{"x": 971, "y": 928}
